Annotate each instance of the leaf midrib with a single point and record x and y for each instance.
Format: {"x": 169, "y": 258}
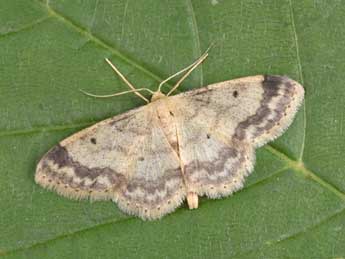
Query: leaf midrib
{"x": 98, "y": 41}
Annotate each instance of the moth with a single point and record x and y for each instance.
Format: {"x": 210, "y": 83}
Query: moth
{"x": 197, "y": 143}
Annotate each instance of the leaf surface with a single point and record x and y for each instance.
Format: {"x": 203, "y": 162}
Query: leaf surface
{"x": 292, "y": 204}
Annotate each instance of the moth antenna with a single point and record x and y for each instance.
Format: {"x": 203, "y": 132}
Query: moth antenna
{"x": 124, "y": 79}
{"x": 116, "y": 94}
{"x": 202, "y": 57}
{"x": 176, "y": 74}
{"x": 188, "y": 73}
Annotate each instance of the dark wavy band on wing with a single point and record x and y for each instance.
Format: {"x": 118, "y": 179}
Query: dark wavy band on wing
{"x": 280, "y": 101}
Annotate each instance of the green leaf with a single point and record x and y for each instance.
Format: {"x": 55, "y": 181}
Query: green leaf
{"x": 293, "y": 205}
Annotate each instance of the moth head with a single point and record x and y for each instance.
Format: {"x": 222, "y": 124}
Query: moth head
{"x": 157, "y": 95}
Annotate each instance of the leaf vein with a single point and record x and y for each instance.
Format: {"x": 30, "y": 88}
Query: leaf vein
{"x": 98, "y": 41}
{"x": 299, "y": 65}
{"x": 299, "y": 167}
{"x": 296, "y": 234}
{"x": 66, "y": 235}
{"x": 26, "y": 27}
{"x": 195, "y": 32}
{"x": 53, "y": 128}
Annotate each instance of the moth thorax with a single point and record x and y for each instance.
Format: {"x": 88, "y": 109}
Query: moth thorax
{"x": 157, "y": 95}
